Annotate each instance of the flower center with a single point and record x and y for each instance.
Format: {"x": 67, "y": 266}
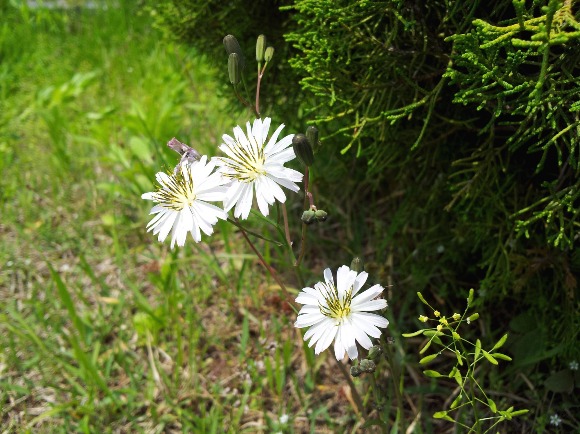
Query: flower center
{"x": 178, "y": 192}
{"x": 247, "y": 164}
{"x": 336, "y": 307}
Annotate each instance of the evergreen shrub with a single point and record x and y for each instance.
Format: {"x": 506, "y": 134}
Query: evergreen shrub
{"x": 451, "y": 142}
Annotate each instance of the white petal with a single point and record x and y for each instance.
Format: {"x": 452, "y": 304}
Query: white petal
{"x": 360, "y": 281}
{"x": 272, "y": 142}
{"x": 308, "y": 319}
{"x": 326, "y": 338}
{"x": 370, "y": 305}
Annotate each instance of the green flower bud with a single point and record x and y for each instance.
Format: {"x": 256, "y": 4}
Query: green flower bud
{"x": 355, "y": 371}
{"x": 308, "y": 217}
{"x": 375, "y": 352}
{"x": 260, "y": 48}
{"x": 321, "y": 215}
{"x": 234, "y": 68}
{"x": 367, "y": 365}
{"x": 232, "y": 46}
{"x": 357, "y": 265}
{"x": 302, "y": 149}
{"x": 269, "y": 54}
{"x": 312, "y": 136}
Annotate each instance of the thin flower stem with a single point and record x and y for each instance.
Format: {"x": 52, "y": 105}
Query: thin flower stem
{"x": 267, "y": 266}
{"x": 307, "y": 198}
{"x": 396, "y": 381}
{"x": 258, "y": 84}
{"x": 241, "y": 98}
{"x": 377, "y": 398}
{"x": 286, "y": 227}
{"x": 357, "y": 399}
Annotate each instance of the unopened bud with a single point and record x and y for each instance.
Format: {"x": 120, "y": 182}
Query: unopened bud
{"x": 302, "y": 149}
{"x": 375, "y": 352}
{"x": 357, "y": 265}
{"x": 308, "y": 217}
{"x": 312, "y": 136}
{"x": 260, "y": 48}
{"x": 234, "y": 68}
{"x": 355, "y": 371}
{"x": 232, "y": 46}
{"x": 269, "y": 54}
{"x": 320, "y": 215}
{"x": 367, "y": 365}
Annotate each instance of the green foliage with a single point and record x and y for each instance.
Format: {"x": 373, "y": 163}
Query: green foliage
{"x": 471, "y": 408}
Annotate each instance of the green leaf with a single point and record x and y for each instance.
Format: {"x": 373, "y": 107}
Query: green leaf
{"x": 502, "y": 357}
{"x": 492, "y": 405}
{"x": 457, "y": 377}
{"x": 489, "y": 357}
{"x": 427, "y": 345}
{"x": 560, "y": 382}
{"x": 458, "y": 355}
{"x": 428, "y": 358}
{"x": 500, "y": 343}
{"x": 431, "y": 333}
{"x": 443, "y": 415}
{"x": 456, "y": 401}
{"x": 410, "y": 335}
{"x": 432, "y": 374}
{"x": 422, "y": 298}
{"x": 477, "y": 349}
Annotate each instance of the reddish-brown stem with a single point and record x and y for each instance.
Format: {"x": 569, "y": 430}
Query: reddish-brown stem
{"x": 307, "y": 198}
{"x": 357, "y": 399}
{"x": 286, "y": 227}
{"x": 268, "y": 268}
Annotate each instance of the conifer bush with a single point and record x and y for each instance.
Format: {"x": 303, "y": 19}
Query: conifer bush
{"x": 450, "y": 139}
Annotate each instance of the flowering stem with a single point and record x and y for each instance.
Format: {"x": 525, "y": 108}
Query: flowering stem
{"x": 260, "y": 75}
{"x": 286, "y": 228}
{"x": 355, "y": 394}
{"x": 241, "y": 98}
{"x": 307, "y": 198}
{"x": 396, "y": 381}
{"x": 267, "y": 267}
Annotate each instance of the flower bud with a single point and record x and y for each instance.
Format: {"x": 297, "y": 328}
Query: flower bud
{"x": 423, "y": 318}
{"x": 232, "y": 46}
{"x": 260, "y": 48}
{"x": 312, "y": 136}
{"x": 357, "y": 265}
{"x": 269, "y": 54}
{"x": 302, "y": 149}
{"x": 234, "y": 68}
{"x": 308, "y": 217}
{"x": 375, "y": 352}
{"x": 320, "y": 215}
{"x": 367, "y": 365}
{"x": 355, "y": 371}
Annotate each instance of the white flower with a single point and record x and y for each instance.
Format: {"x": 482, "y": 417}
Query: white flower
{"x": 573, "y": 365}
{"x": 283, "y": 419}
{"x": 255, "y": 164}
{"x": 555, "y": 420}
{"x": 182, "y": 202}
{"x": 341, "y": 313}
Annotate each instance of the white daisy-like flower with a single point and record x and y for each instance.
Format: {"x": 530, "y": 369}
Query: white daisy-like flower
{"x": 254, "y": 164}
{"x": 182, "y": 202}
{"x": 340, "y": 313}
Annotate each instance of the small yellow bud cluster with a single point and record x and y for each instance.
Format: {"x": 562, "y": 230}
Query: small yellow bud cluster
{"x": 423, "y": 318}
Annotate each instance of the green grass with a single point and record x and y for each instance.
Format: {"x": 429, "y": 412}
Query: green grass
{"x": 102, "y": 328}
